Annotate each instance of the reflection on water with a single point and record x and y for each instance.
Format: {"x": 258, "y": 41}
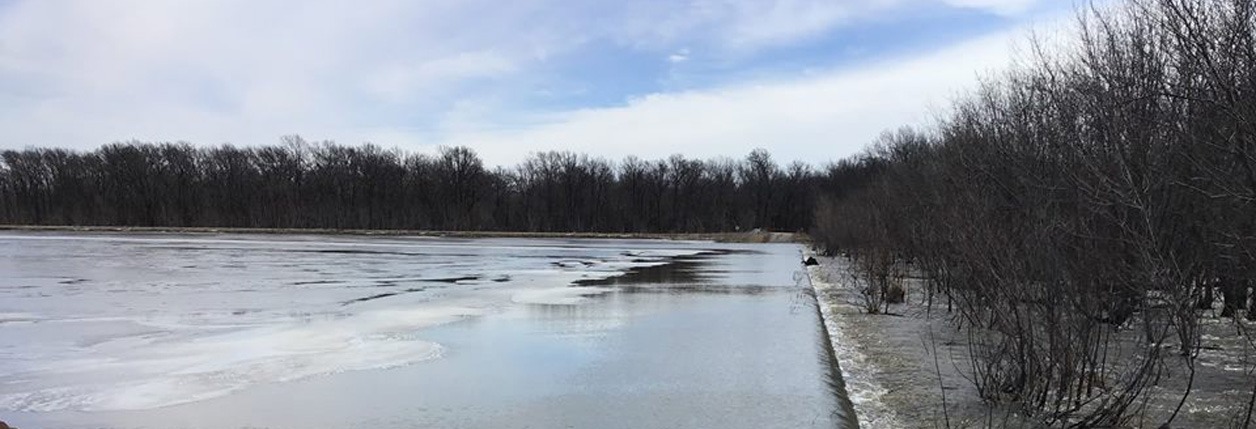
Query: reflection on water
{"x": 682, "y": 270}
{"x": 656, "y": 334}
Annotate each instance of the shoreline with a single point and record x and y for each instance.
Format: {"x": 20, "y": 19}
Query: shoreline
{"x": 912, "y": 368}
{"x": 896, "y": 376}
{"x": 719, "y": 237}
{"x": 863, "y": 394}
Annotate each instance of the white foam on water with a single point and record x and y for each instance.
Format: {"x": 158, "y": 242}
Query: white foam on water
{"x": 862, "y": 389}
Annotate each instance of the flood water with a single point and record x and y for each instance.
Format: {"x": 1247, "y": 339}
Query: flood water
{"x": 214, "y": 331}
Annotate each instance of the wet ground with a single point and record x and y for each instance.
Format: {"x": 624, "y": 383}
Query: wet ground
{"x": 135, "y": 331}
{"x": 913, "y": 369}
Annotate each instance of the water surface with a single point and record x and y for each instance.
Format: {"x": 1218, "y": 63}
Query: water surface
{"x": 211, "y": 331}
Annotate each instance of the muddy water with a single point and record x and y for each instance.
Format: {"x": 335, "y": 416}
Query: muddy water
{"x": 242, "y": 331}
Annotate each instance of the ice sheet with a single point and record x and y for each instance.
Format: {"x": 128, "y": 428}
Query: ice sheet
{"x": 129, "y": 322}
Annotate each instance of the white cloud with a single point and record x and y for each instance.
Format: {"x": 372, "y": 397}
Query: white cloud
{"x": 815, "y": 119}
{"x": 757, "y": 24}
{"x": 83, "y": 73}
{"x": 746, "y": 26}
{"x": 739, "y": 27}
{"x": 1003, "y": 7}
{"x": 401, "y": 81}
{"x": 679, "y": 56}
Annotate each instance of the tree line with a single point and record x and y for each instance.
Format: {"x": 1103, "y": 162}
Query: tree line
{"x": 300, "y": 184}
{"x": 1107, "y": 183}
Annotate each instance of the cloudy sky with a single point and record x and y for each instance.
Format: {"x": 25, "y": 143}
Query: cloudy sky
{"x": 810, "y": 80}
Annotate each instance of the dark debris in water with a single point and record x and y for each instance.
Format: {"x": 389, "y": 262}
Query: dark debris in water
{"x": 455, "y": 279}
{"x": 315, "y": 282}
{"x": 381, "y": 295}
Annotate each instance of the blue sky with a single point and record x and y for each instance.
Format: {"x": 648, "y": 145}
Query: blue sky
{"x": 808, "y": 80}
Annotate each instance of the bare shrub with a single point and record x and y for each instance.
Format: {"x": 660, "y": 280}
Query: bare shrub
{"x": 1107, "y": 187}
{"x": 879, "y": 279}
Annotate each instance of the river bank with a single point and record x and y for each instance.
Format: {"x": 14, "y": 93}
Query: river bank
{"x": 911, "y": 368}
{"x": 902, "y": 370}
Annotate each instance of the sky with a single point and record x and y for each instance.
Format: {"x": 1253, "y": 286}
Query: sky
{"x": 809, "y": 80}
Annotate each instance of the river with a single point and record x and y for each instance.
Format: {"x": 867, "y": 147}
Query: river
{"x": 307, "y": 331}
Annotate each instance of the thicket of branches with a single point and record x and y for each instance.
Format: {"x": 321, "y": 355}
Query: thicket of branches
{"x": 324, "y": 185}
{"x": 1109, "y": 183}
